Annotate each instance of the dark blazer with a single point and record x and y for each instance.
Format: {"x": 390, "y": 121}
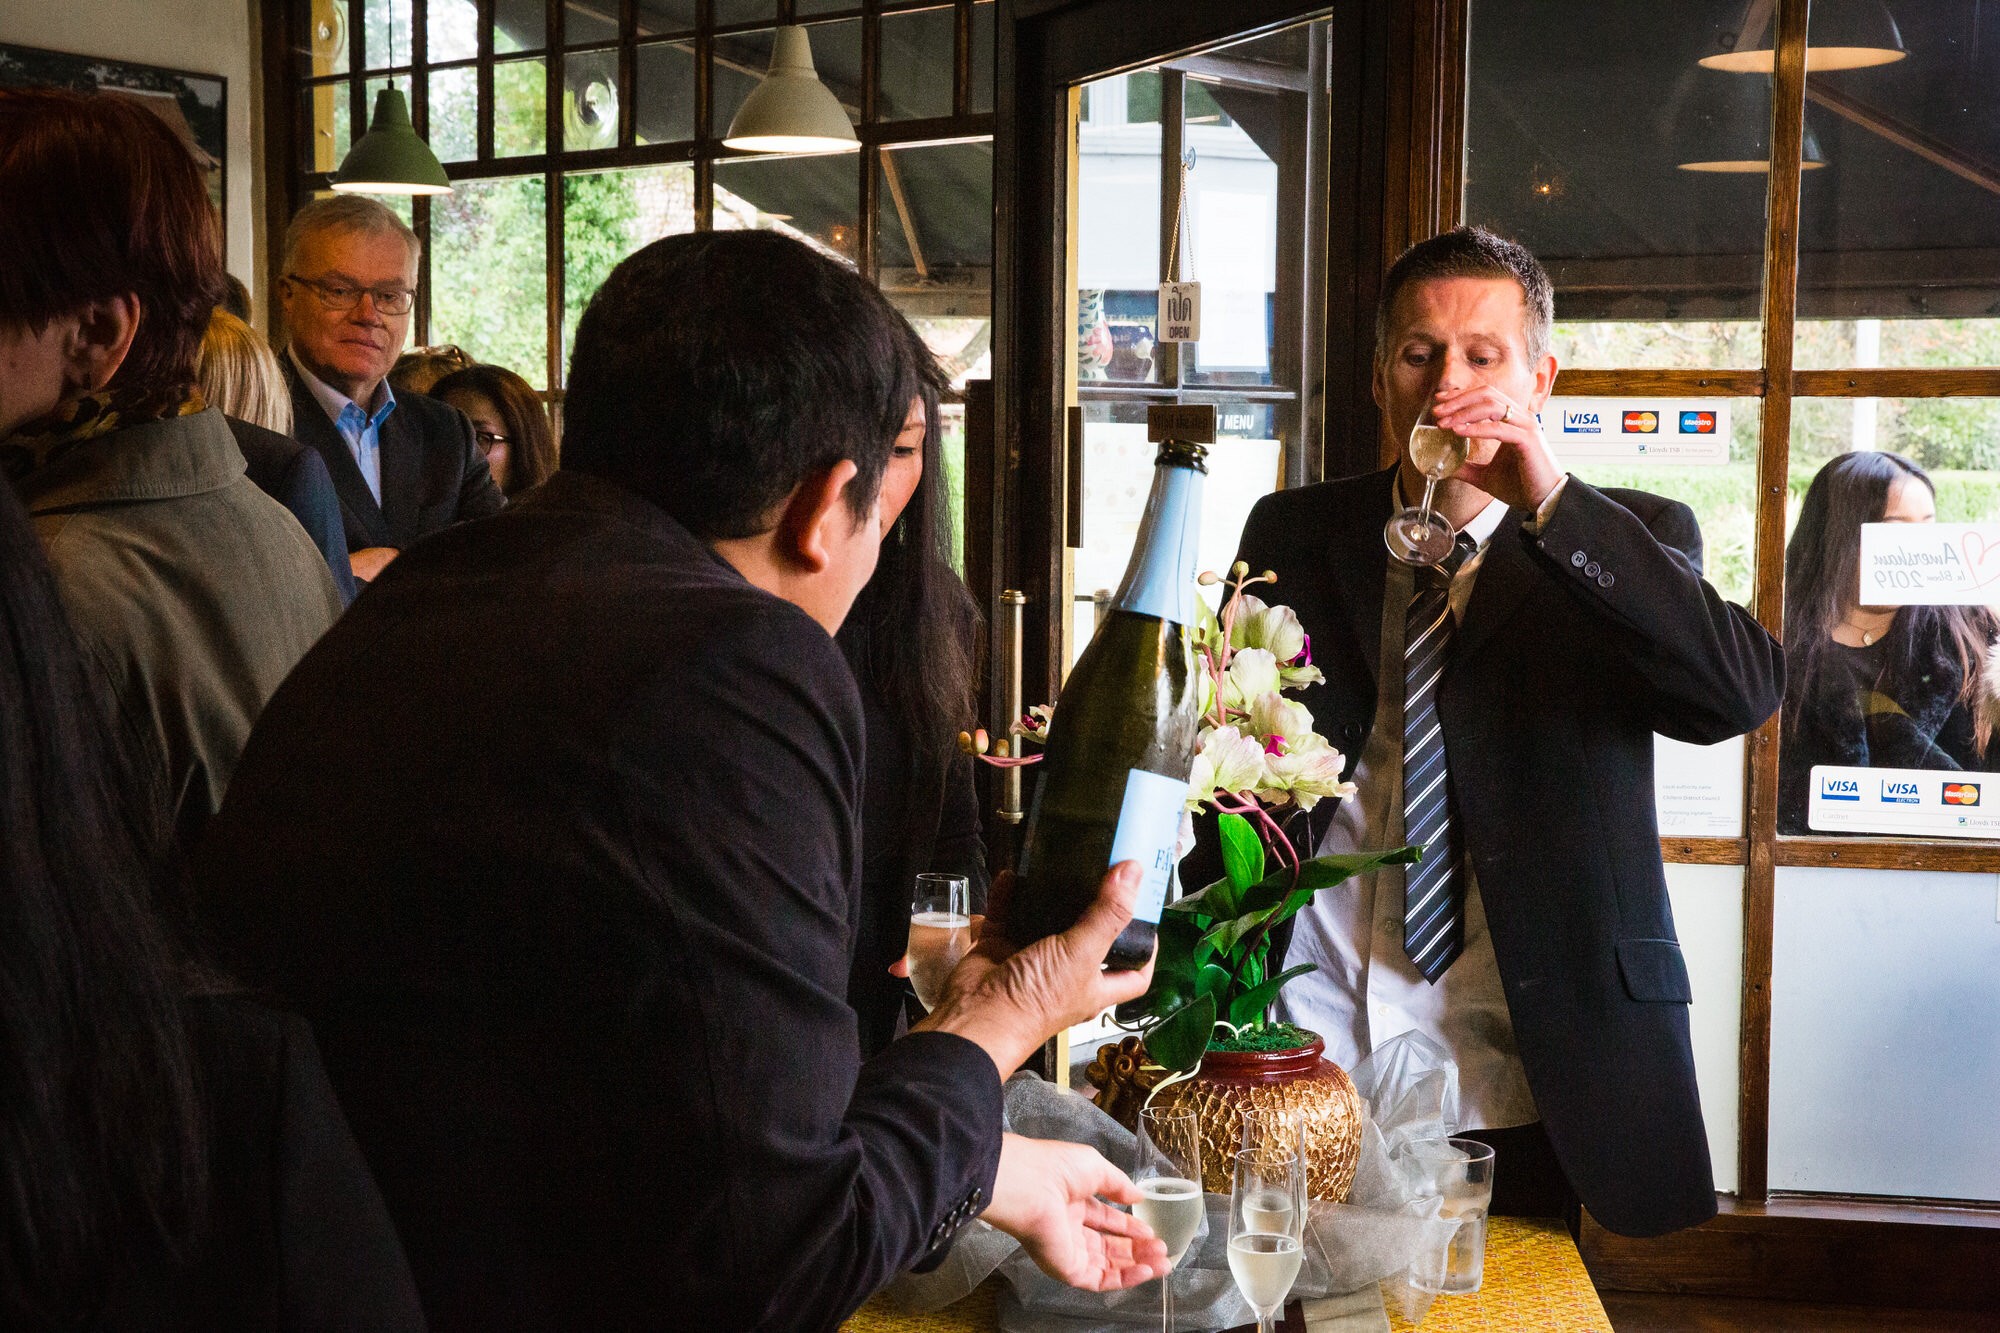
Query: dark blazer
{"x": 297, "y": 1236}
{"x": 433, "y": 474}
{"x": 1576, "y": 647}
{"x": 578, "y": 957}
{"x": 296, "y": 478}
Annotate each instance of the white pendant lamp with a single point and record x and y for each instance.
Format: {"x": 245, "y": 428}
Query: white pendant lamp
{"x": 1844, "y": 34}
{"x": 791, "y": 111}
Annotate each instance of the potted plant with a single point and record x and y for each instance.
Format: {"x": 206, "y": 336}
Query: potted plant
{"x": 1207, "y": 1038}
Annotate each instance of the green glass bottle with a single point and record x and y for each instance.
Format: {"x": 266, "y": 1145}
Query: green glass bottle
{"x": 1114, "y": 776}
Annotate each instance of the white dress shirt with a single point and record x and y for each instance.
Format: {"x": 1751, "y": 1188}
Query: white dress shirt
{"x": 362, "y": 430}
{"x": 1364, "y": 990}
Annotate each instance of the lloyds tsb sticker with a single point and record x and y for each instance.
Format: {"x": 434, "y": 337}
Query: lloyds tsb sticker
{"x": 1929, "y": 564}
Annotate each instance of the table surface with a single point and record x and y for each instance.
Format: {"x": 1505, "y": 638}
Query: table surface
{"x": 1534, "y": 1280}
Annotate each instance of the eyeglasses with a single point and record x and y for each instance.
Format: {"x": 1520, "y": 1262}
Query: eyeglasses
{"x": 488, "y": 440}
{"x": 343, "y": 296}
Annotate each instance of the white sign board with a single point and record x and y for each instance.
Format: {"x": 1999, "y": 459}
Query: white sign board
{"x": 1698, "y": 789}
{"x": 1637, "y": 430}
{"x": 1930, "y": 564}
{"x": 1180, "y": 312}
{"x": 1920, "y": 801}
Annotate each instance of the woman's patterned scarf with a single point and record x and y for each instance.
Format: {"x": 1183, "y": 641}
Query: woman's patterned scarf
{"x": 41, "y": 442}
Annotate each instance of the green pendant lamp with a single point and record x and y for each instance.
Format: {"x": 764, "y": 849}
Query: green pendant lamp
{"x": 791, "y": 111}
{"x": 391, "y": 159}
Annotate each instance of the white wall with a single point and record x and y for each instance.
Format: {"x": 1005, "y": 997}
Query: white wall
{"x": 203, "y": 36}
{"x": 1708, "y": 917}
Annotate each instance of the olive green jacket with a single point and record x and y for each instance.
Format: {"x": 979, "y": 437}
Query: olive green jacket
{"x": 193, "y": 593}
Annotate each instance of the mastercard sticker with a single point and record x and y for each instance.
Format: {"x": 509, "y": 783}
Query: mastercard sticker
{"x": 1642, "y": 423}
{"x": 1961, "y": 793}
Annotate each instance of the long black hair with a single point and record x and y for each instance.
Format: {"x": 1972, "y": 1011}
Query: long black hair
{"x": 919, "y": 628}
{"x": 1823, "y": 581}
{"x": 101, "y": 1143}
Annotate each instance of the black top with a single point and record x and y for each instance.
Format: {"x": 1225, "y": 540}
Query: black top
{"x": 297, "y": 1236}
{"x": 918, "y": 814}
{"x": 296, "y": 477}
{"x": 576, "y": 948}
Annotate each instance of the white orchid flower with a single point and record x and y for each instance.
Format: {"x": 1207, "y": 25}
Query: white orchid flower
{"x": 1252, "y": 673}
{"x": 1308, "y": 770}
{"x": 1229, "y": 762}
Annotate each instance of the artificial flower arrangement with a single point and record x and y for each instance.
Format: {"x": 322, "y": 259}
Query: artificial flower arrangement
{"x": 1259, "y": 764}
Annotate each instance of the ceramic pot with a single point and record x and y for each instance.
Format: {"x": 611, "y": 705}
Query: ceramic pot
{"x": 1300, "y": 1085}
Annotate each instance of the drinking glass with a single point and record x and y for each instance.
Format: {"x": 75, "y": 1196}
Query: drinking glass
{"x": 940, "y": 933}
{"x": 1419, "y": 536}
{"x": 1167, "y": 1170}
{"x": 1267, "y": 1210}
{"x": 1460, "y": 1173}
{"x": 1267, "y": 1131}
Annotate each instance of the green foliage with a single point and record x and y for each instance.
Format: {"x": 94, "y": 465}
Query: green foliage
{"x": 1242, "y": 850}
{"x": 1178, "y": 1041}
{"x": 489, "y": 291}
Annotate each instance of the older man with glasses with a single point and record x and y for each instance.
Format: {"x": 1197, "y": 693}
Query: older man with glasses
{"x": 405, "y": 467}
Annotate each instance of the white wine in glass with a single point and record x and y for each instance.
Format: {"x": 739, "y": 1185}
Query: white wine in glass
{"x": 940, "y": 934}
{"x": 1419, "y": 536}
{"x": 1168, "y": 1174}
{"x": 1266, "y": 1228}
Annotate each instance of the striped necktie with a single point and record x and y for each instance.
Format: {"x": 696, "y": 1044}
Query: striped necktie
{"x": 1434, "y": 888}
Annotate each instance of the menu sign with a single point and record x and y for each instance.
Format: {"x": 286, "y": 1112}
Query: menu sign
{"x": 1921, "y": 801}
{"x": 1930, "y": 564}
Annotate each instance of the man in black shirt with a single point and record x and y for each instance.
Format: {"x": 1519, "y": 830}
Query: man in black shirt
{"x": 576, "y": 941}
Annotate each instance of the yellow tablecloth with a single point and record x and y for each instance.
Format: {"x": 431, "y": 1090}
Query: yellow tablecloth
{"x": 1534, "y": 1281}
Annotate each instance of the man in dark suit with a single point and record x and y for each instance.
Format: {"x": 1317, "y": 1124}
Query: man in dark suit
{"x": 577, "y": 957}
{"x": 1500, "y": 709}
{"x": 296, "y": 478}
{"x": 403, "y": 468}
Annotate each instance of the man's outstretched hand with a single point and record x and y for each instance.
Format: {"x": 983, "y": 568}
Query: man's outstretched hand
{"x": 1051, "y": 1198}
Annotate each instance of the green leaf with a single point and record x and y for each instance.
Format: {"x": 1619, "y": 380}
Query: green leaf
{"x": 1251, "y": 1004}
{"x": 1179, "y": 1039}
{"x": 1322, "y": 872}
{"x": 1225, "y": 936}
{"x": 1242, "y": 851}
{"x": 1213, "y": 982}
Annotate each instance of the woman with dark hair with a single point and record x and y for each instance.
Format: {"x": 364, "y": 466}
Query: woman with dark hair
{"x": 169, "y": 1160}
{"x": 1874, "y": 686}
{"x": 508, "y": 421}
{"x": 912, "y": 640}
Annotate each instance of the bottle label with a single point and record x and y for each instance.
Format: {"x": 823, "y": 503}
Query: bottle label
{"x": 1149, "y": 828}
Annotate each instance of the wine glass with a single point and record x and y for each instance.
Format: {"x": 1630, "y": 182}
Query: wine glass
{"x": 1167, "y": 1170}
{"x": 1419, "y": 536}
{"x": 1271, "y": 1132}
{"x": 1267, "y": 1228}
{"x": 940, "y": 933}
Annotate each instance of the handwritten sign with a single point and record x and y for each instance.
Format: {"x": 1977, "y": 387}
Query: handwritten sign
{"x": 1180, "y": 312}
{"x": 1930, "y": 564}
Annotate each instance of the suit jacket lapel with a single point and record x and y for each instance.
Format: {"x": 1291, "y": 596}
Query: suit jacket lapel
{"x": 311, "y": 428}
{"x": 402, "y": 475}
{"x": 1505, "y": 576}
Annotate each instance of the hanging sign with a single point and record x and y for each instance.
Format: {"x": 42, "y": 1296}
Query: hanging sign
{"x": 1924, "y": 801}
{"x": 1180, "y": 312}
{"x": 1637, "y": 430}
{"x": 1930, "y": 564}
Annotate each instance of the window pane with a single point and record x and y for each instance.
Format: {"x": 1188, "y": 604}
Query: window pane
{"x": 916, "y": 65}
{"x": 1891, "y": 973}
{"x": 981, "y": 96}
{"x": 1880, "y": 691}
{"x": 1118, "y": 230}
{"x": 454, "y": 114}
{"x": 385, "y": 31}
{"x": 489, "y": 273}
{"x": 744, "y": 11}
{"x": 1229, "y": 230}
{"x": 520, "y": 113}
{"x": 659, "y": 18}
{"x": 937, "y": 208}
{"x": 741, "y": 59}
{"x": 666, "y": 92}
{"x": 329, "y": 40}
{"x": 1899, "y": 236}
{"x": 451, "y": 31}
{"x": 1582, "y": 122}
{"x": 588, "y": 22}
{"x": 609, "y": 214}
{"x": 590, "y": 100}
{"x": 805, "y": 7}
{"x": 519, "y": 25}
{"x": 328, "y": 118}
{"x": 812, "y": 198}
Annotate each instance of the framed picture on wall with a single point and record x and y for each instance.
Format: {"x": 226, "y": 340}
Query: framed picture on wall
{"x": 194, "y": 106}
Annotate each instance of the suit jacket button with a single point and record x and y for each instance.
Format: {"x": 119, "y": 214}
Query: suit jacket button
{"x": 1591, "y": 570}
{"x": 1578, "y": 559}
{"x": 1605, "y": 580}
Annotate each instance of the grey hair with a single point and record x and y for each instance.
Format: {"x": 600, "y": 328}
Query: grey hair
{"x": 1471, "y": 252}
{"x": 345, "y": 213}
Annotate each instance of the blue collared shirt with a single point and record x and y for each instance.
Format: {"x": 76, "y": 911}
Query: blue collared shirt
{"x": 361, "y": 430}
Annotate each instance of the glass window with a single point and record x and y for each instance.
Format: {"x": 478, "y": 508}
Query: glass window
{"x": 385, "y": 33}
{"x": 1583, "y": 127}
{"x": 609, "y": 214}
{"x": 451, "y": 31}
{"x": 916, "y": 64}
{"x": 588, "y": 22}
{"x": 1118, "y": 230}
{"x": 665, "y": 96}
{"x": 590, "y": 100}
{"x": 1229, "y": 229}
{"x": 519, "y": 25}
{"x": 328, "y": 121}
{"x": 327, "y": 37}
{"x": 520, "y": 118}
{"x": 489, "y": 266}
{"x": 744, "y": 11}
{"x": 1899, "y": 234}
{"x": 811, "y": 198}
{"x": 980, "y": 98}
{"x": 659, "y": 18}
{"x": 454, "y": 114}
{"x": 934, "y": 249}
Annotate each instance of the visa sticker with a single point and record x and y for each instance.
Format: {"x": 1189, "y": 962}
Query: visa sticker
{"x": 1839, "y": 789}
{"x": 1581, "y": 423}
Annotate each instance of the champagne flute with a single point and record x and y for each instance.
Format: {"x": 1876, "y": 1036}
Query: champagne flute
{"x": 940, "y": 933}
{"x": 1266, "y": 1229}
{"x": 1419, "y": 536}
{"x": 1167, "y": 1171}
{"x": 1270, "y": 1132}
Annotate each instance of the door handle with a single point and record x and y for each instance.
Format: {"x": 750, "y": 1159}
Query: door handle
{"x": 1013, "y": 611}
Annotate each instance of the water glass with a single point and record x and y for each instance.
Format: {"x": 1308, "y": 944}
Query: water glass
{"x": 1459, "y": 1172}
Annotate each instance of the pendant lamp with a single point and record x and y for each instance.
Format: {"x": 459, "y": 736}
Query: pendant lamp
{"x": 390, "y": 158}
{"x": 1842, "y": 34}
{"x": 791, "y": 111}
{"x": 1724, "y": 125}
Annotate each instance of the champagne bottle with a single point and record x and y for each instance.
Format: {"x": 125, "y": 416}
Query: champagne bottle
{"x": 1114, "y": 774}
